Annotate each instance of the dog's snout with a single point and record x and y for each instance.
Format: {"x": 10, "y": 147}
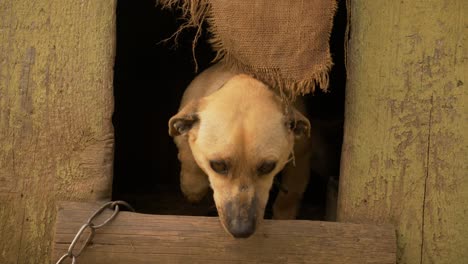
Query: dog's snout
{"x": 242, "y": 228}
{"x": 241, "y": 218}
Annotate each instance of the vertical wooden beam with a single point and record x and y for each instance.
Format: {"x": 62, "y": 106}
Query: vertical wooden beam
{"x": 405, "y": 148}
{"x": 56, "y": 136}
{"x": 445, "y": 226}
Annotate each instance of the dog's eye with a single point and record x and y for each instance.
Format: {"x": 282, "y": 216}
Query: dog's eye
{"x": 219, "y": 166}
{"x": 266, "y": 167}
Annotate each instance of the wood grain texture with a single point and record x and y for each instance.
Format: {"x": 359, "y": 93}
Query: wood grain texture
{"x": 405, "y": 148}
{"x": 56, "y": 136}
{"x": 139, "y": 238}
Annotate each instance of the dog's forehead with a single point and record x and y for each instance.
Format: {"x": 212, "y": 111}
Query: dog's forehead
{"x": 258, "y": 132}
{"x": 242, "y": 117}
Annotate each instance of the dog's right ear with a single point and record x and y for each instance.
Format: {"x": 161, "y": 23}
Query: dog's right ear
{"x": 298, "y": 123}
{"x": 183, "y": 121}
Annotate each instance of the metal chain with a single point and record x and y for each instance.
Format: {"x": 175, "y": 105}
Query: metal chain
{"x": 92, "y": 228}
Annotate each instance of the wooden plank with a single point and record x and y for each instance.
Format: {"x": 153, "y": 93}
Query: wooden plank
{"x": 56, "y": 136}
{"x": 404, "y": 157}
{"x": 139, "y": 238}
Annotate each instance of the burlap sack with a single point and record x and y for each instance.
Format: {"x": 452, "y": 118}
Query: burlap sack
{"x": 284, "y": 43}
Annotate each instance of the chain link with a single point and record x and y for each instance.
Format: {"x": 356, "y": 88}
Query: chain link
{"x": 92, "y": 229}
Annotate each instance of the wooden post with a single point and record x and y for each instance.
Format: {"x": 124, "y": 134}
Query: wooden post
{"x": 56, "y": 136}
{"x": 405, "y": 149}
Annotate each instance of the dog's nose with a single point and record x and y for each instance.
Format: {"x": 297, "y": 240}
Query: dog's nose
{"x": 242, "y": 228}
{"x": 240, "y": 218}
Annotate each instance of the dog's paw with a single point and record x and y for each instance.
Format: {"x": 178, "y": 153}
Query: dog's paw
{"x": 286, "y": 207}
{"x": 285, "y": 214}
{"x": 194, "y": 196}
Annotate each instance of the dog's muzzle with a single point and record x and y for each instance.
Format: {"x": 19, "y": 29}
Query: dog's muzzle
{"x": 241, "y": 218}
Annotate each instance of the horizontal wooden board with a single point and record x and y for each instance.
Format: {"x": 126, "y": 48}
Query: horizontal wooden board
{"x": 142, "y": 238}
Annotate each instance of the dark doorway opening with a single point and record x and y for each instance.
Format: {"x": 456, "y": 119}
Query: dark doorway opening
{"x": 149, "y": 81}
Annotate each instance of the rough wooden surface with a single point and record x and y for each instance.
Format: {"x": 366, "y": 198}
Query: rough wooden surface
{"x": 56, "y": 138}
{"x": 406, "y": 133}
{"x": 139, "y": 238}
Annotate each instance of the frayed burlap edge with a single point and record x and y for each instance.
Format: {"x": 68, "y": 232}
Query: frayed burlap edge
{"x": 195, "y": 12}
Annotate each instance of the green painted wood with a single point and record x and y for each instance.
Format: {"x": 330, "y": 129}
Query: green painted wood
{"x": 405, "y": 148}
{"x": 56, "y": 136}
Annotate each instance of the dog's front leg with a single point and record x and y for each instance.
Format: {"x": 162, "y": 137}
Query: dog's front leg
{"x": 294, "y": 182}
{"x": 193, "y": 181}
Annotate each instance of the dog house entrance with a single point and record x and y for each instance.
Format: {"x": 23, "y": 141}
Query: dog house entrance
{"x": 150, "y": 78}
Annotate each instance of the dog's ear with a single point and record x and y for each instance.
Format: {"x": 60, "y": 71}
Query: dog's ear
{"x": 298, "y": 123}
{"x": 183, "y": 121}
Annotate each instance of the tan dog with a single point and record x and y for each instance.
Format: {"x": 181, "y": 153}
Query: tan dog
{"x": 234, "y": 134}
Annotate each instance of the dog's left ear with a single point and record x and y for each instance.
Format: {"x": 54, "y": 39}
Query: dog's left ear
{"x": 298, "y": 123}
{"x": 183, "y": 121}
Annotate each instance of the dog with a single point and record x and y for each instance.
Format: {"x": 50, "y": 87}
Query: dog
{"x": 234, "y": 134}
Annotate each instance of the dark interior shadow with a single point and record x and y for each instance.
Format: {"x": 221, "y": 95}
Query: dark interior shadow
{"x": 149, "y": 80}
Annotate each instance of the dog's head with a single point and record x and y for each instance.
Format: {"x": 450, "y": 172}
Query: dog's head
{"x": 241, "y": 137}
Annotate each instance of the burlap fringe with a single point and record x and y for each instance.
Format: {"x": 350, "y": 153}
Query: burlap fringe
{"x": 195, "y": 12}
{"x": 287, "y": 88}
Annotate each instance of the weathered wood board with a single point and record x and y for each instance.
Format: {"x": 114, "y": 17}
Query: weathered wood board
{"x": 405, "y": 151}
{"x": 139, "y": 238}
{"x": 56, "y": 103}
